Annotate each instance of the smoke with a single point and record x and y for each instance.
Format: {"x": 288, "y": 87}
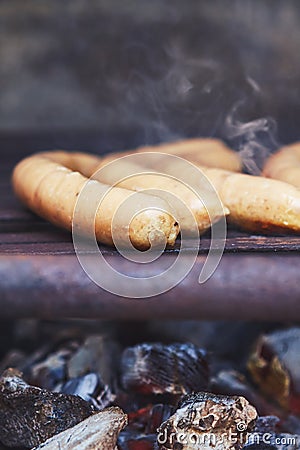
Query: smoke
{"x": 178, "y": 94}
{"x": 172, "y": 93}
{"x": 256, "y": 139}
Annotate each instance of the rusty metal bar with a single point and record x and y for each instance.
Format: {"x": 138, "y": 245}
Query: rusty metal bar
{"x": 245, "y": 286}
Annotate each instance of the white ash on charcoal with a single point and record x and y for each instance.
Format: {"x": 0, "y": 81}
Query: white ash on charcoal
{"x": 208, "y": 421}
{"x": 30, "y": 415}
{"x": 91, "y": 388}
{"x": 98, "y": 432}
{"x": 275, "y": 367}
{"x": 160, "y": 369}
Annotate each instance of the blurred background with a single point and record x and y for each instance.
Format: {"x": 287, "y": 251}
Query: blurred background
{"x": 153, "y": 70}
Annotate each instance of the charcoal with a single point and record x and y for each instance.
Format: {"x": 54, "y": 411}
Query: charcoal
{"x": 231, "y": 382}
{"x": 98, "y": 354}
{"x": 158, "y": 414}
{"x": 139, "y": 419}
{"x": 30, "y": 415}
{"x": 51, "y": 370}
{"x": 206, "y": 420}
{"x": 131, "y": 401}
{"x": 91, "y": 388}
{"x": 129, "y": 440}
{"x": 147, "y": 420}
{"x": 266, "y": 424}
{"x": 269, "y": 440}
{"x": 291, "y": 424}
{"x": 98, "y": 432}
{"x": 160, "y": 369}
{"x": 260, "y": 446}
{"x": 275, "y": 367}
{"x": 13, "y": 358}
{"x": 47, "y": 366}
{"x": 265, "y": 436}
{"x": 236, "y": 343}
{"x": 153, "y": 378}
